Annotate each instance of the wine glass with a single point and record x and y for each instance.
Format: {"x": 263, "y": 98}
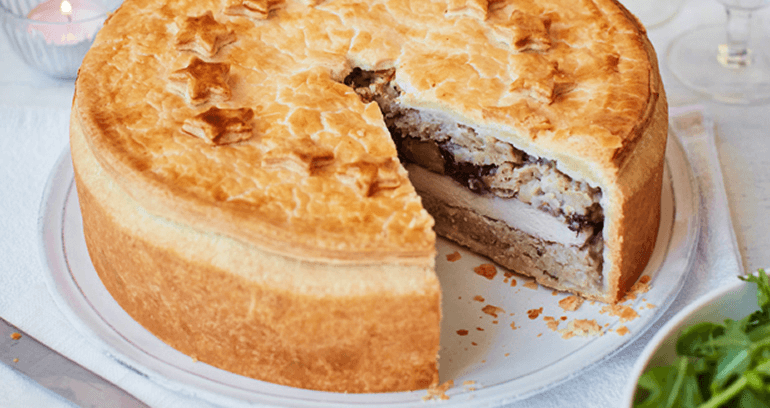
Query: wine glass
{"x": 729, "y": 62}
{"x": 653, "y": 13}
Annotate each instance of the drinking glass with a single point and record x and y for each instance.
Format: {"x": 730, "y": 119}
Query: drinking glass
{"x": 730, "y": 62}
{"x": 653, "y": 13}
{"x": 52, "y": 46}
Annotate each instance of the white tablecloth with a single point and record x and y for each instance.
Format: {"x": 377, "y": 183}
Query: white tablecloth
{"x": 34, "y": 113}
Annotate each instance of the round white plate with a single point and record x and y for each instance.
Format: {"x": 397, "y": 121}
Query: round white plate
{"x": 500, "y": 359}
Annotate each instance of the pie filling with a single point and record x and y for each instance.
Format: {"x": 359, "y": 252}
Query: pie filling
{"x": 546, "y": 224}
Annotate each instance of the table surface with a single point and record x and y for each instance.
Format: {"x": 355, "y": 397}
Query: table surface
{"x": 742, "y": 139}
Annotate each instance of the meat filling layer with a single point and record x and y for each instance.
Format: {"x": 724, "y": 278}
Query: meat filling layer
{"x": 487, "y": 166}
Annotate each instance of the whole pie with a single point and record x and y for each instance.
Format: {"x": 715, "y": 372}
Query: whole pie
{"x": 260, "y": 180}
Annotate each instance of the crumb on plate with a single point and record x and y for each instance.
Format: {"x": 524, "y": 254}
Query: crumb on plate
{"x": 581, "y": 327}
{"x": 534, "y": 313}
{"x": 571, "y": 303}
{"x": 486, "y": 270}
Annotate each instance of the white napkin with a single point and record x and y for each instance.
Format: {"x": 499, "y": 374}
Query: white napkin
{"x": 30, "y": 142}
{"x": 32, "y": 139}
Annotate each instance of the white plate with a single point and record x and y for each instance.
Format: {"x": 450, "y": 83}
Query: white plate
{"x": 734, "y": 301}
{"x": 505, "y": 364}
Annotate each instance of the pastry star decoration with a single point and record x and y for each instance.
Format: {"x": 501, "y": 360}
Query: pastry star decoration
{"x": 256, "y": 9}
{"x": 372, "y": 174}
{"x": 202, "y": 82}
{"x": 203, "y": 35}
{"x": 302, "y": 156}
{"x": 221, "y": 126}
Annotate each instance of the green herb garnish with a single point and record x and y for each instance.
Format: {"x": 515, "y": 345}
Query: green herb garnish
{"x": 719, "y": 365}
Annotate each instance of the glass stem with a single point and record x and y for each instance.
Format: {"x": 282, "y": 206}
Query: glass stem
{"x": 736, "y": 53}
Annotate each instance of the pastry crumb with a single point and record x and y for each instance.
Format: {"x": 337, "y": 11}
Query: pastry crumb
{"x": 622, "y": 330}
{"x": 534, "y": 313}
{"x": 571, "y": 303}
{"x": 626, "y": 313}
{"x": 531, "y": 284}
{"x": 454, "y": 257}
{"x": 513, "y": 326}
{"x": 513, "y": 282}
{"x": 486, "y": 270}
{"x": 15, "y": 360}
{"x": 478, "y": 298}
{"x": 647, "y": 305}
{"x": 581, "y": 327}
{"x": 439, "y": 391}
{"x": 492, "y": 310}
{"x": 462, "y": 332}
{"x": 641, "y": 286}
{"x": 551, "y": 322}
{"x": 480, "y": 329}
{"x": 15, "y": 335}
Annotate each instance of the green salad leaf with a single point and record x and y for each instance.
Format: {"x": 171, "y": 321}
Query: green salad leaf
{"x": 718, "y": 365}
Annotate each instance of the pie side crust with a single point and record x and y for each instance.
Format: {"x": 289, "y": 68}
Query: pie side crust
{"x": 345, "y": 328}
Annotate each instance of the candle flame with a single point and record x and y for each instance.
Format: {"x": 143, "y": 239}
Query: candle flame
{"x": 65, "y": 7}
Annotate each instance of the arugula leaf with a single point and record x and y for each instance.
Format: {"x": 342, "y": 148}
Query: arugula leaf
{"x": 748, "y": 398}
{"x": 763, "y": 288}
{"x": 733, "y": 348}
{"x": 693, "y": 339}
{"x": 651, "y": 389}
{"x": 729, "y": 366}
{"x": 669, "y": 387}
{"x": 762, "y": 316}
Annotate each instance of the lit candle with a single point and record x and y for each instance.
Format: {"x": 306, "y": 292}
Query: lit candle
{"x": 73, "y": 20}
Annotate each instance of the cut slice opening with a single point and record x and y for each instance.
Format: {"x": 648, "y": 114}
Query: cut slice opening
{"x": 516, "y": 208}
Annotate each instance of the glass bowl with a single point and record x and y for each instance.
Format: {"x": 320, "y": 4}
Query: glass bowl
{"x": 733, "y": 301}
{"x": 57, "y": 38}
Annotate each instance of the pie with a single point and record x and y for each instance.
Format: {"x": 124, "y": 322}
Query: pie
{"x": 260, "y": 180}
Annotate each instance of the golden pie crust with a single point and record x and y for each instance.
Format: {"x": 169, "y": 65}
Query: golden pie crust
{"x": 281, "y": 239}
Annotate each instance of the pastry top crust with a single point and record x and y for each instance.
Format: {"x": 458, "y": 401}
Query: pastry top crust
{"x": 293, "y": 160}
